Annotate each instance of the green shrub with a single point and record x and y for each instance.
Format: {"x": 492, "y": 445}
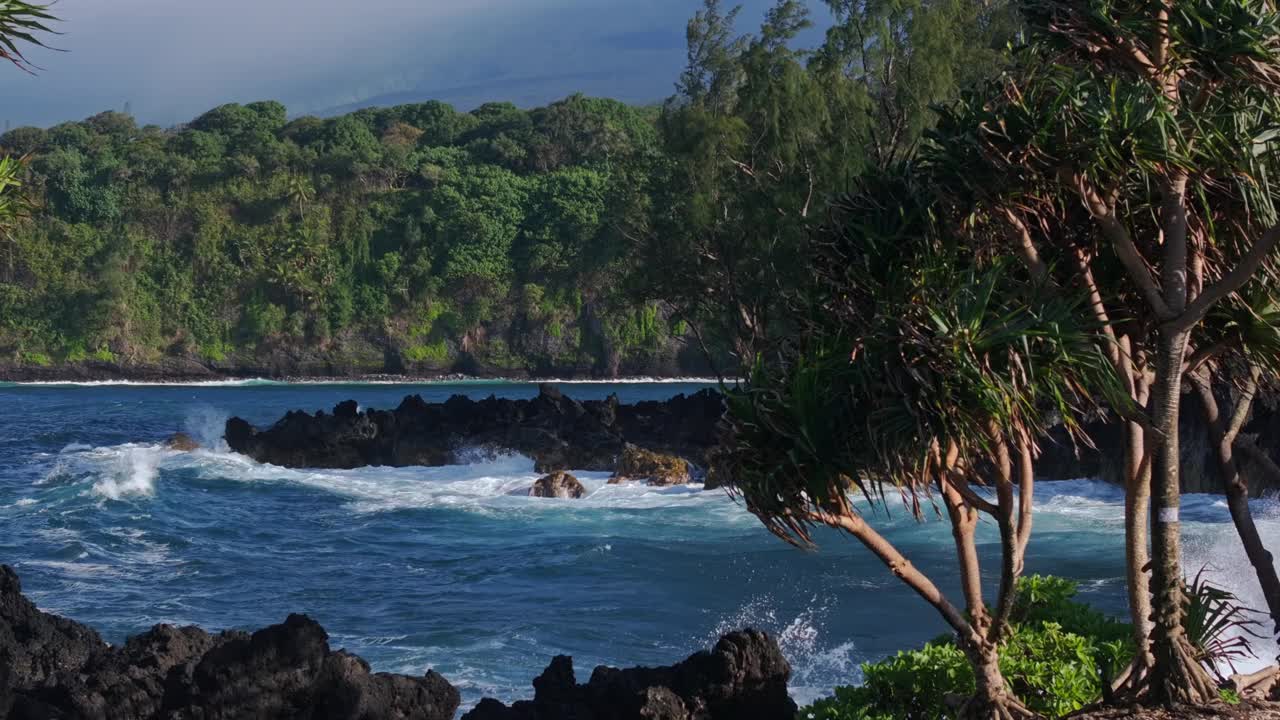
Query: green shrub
{"x": 36, "y": 358}
{"x": 216, "y": 351}
{"x": 437, "y": 352}
{"x": 1054, "y": 659}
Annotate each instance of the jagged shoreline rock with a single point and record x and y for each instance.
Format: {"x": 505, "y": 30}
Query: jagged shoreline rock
{"x": 52, "y": 668}
{"x": 743, "y": 678}
{"x": 558, "y": 432}
{"x": 55, "y": 668}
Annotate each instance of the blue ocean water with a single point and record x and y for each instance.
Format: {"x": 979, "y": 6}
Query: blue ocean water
{"x": 452, "y": 568}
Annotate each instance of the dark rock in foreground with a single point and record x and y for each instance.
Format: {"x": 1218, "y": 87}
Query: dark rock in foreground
{"x": 52, "y": 668}
{"x": 559, "y": 433}
{"x": 743, "y": 678}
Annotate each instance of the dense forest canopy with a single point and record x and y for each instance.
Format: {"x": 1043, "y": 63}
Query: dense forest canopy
{"x": 422, "y": 229}
{"x": 586, "y": 236}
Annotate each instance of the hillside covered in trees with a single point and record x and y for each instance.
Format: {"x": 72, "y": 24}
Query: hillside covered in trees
{"x": 414, "y": 238}
{"x": 586, "y": 237}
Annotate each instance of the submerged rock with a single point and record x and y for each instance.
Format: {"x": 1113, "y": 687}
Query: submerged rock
{"x": 51, "y": 667}
{"x": 743, "y": 678}
{"x": 557, "y": 432}
{"x": 558, "y": 485}
{"x": 638, "y": 464}
{"x": 182, "y": 441}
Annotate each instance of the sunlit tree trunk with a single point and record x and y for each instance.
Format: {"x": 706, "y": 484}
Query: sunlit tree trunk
{"x": 1176, "y": 676}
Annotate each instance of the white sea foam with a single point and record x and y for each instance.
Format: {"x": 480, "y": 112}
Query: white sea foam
{"x": 388, "y": 380}
{"x": 206, "y": 425}
{"x": 1091, "y": 508}
{"x": 142, "y": 383}
{"x": 77, "y": 569}
{"x": 133, "y": 472}
{"x": 500, "y": 483}
{"x": 818, "y": 662}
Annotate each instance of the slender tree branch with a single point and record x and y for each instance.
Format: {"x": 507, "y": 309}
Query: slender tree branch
{"x": 1243, "y": 405}
{"x": 1231, "y": 282}
{"x": 898, "y": 565}
{"x": 1103, "y": 211}
{"x": 1026, "y": 247}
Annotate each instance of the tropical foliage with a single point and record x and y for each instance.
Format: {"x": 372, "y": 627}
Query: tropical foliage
{"x": 444, "y": 239}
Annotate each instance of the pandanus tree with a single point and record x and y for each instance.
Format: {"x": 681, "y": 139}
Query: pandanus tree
{"x": 920, "y": 372}
{"x": 1127, "y": 156}
{"x": 21, "y": 24}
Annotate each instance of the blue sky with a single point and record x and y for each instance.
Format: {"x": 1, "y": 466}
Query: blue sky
{"x": 173, "y": 59}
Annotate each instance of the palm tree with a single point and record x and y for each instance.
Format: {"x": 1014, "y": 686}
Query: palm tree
{"x": 922, "y": 372}
{"x": 1127, "y": 157}
{"x": 22, "y": 23}
{"x": 299, "y": 192}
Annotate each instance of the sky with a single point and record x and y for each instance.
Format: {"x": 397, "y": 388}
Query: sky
{"x": 171, "y": 60}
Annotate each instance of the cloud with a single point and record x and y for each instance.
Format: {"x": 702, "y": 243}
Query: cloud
{"x": 173, "y": 59}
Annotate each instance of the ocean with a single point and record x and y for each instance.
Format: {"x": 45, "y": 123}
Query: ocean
{"x": 457, "y": 569}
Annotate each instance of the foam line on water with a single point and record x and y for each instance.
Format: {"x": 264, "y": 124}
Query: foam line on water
{"x": 134, "y": 472}
{"x": 255, "y": 382}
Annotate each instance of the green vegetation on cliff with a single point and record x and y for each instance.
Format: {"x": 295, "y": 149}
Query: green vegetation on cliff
{"x": 585, "y": 236}
{"x": 420, "y": 231}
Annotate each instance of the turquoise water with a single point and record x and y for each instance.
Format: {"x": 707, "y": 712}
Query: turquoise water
{"x": 451, "y": 568}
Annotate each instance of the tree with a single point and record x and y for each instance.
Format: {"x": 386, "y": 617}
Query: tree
{"x": 885, "y": 65}
{"x": 745, "y": 137}
{"x": 21, "y": 23}
{"x": 1127, "y": 157}
{"x": 920, "y": 371}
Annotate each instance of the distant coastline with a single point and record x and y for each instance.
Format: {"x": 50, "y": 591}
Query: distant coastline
{"x": 178, "y": 372}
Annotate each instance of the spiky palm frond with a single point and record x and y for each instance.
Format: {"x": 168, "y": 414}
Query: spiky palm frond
{"x": 22, "y": 23}
{"x": 12, "y": 204}
{"x": 913, "y": 345}
{"x": 1218, "y": 626}
{"x": 1247, "y": 327}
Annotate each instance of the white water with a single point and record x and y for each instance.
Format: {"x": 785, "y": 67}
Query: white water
{"x": 132, "y": 473}
{"x": 391, "y": 380}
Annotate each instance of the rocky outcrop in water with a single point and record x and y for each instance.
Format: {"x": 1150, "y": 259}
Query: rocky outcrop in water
{"x": 182, "y": 442}
{"x": 638, "y": 464}
{"x": 560, "y": 485}
{"x": 743, "y": 678}
{"x": 558, "y": 432}
{"x": 52, "y": 668}
{"x": 1257, "y": 451}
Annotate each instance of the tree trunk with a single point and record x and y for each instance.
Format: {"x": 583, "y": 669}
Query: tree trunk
{"x": 1137, "y": 505}
{"x": 964, "y": 526}
{"x": 1237, "y": 489}
{"x": 992, "y": 699}
{"x": 1176, "y": 677}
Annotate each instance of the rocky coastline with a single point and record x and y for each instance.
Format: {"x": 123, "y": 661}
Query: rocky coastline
{"x": 53, "y": 668}
{"x": 663, "y": 443}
